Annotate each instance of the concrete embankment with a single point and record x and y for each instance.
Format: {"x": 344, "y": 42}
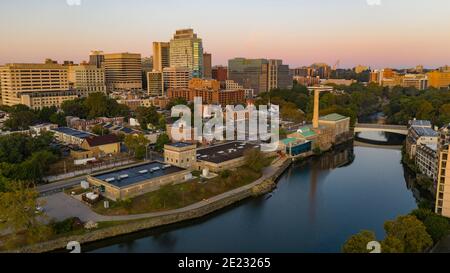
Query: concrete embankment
{"x": 260, "y": 187}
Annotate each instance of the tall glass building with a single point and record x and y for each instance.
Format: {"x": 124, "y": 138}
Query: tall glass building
{"x": 249, "y": 73}
{"x": 186, "y": 51}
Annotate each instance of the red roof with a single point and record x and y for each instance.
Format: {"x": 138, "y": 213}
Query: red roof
{"x": 102, "y": 140}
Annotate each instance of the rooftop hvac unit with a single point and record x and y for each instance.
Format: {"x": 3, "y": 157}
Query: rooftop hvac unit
{"x": 143, "y": 171}
{"x": 84, "y": 185}
{"x": 110, "y": 179}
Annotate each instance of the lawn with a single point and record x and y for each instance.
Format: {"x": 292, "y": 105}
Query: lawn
{"x": 182, "y": 195}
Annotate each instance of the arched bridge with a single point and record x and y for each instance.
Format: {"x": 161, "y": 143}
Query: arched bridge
{"x": 397, "y": 129}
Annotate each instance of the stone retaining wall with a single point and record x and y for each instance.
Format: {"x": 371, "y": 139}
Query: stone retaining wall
{"x": 137, "y": 226}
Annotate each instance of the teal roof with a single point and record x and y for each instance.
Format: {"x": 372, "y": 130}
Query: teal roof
{"x": 306, "y": 132}
{"x": 286, "y": 141}
{"x": 333, "y": 117}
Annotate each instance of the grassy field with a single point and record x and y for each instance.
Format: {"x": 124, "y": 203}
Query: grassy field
{"x": 182, "y": 195}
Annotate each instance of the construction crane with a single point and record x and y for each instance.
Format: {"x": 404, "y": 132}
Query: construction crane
{"x": 337, "y": 65}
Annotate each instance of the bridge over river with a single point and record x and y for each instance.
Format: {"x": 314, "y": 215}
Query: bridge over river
{"x": 368, "y": 127}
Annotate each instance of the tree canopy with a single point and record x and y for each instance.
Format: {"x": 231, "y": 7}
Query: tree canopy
{"x": 411, "y": 232}
{"x": 23, "y": 157}
{"x": 358, "y": 243}
{"x": 408, "y": 103}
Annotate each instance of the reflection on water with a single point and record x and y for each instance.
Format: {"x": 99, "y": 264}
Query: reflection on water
{"x": 318, "y": 204}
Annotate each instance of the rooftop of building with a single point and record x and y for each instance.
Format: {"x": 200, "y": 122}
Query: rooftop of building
{"x": 333, "y": 117}
{"x": 73, "y": 132}
{"x": 225, "y": 152}
{"x": 180, "y": 144}
{"x": 137, "y": 174}
{"x": 287, "y": 141}
{"x": 102, "y": 140}
{"x": 306, "y": 131}
{"x": 420, "y": 123}
{"x": 425, "y": 132}
{"x": 432, "y": 146}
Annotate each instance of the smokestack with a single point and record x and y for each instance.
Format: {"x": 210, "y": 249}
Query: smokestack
{"x": 316, "y": 109}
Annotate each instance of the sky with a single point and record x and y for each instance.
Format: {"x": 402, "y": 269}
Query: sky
{"x": 376, "y": 33}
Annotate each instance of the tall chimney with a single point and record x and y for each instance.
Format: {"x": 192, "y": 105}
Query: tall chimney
{"x": 316, "y": 109}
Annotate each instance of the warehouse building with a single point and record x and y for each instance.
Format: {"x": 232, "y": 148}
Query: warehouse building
{"x": 134, "y": 181}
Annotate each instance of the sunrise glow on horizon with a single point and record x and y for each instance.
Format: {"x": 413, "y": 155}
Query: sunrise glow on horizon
{"x": 386, "y": 33}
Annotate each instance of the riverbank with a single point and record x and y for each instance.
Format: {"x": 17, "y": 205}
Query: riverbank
{"x": 262, "y": 186}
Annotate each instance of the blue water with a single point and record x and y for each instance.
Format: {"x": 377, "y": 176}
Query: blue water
{"x": 316, "y": 207}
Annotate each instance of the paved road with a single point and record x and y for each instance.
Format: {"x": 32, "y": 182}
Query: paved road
{"x": 57, "y": 187}
{"x": 61, "y": 206}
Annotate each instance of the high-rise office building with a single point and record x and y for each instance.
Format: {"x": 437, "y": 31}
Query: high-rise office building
{"x": 278, "y": 75}
{"x": 161, "y": 56}
{"x": 207, "y": 65}
{"x": 322, "y": 70}
{"x": 35, "y": 85}
{"x": 419, "y": 81}
{"x": 97, "y": 58}
{"x": 87, "y": 79}
{"x": 186, "y": 50}
{"x": 249, "y": 73}
{"x": 303, "y": 72}
{"x": 220, "y": 73}
{"x": 123, "y": 71}
{"x": 147, "y": 66}
{"x": 176, "y": 77}
{"x": 155, "y": 83}
{"x": 439, "y": 79}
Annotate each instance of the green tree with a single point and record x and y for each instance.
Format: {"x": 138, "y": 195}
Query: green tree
{"x": 175, "y": 102}
{"x": 137, "y": 145}
{"x": 411, "y": 232}
{"x": 147, "y": 116}
{"x": 254, "y": 159}
{"x": 425, "y": 111}
{"x": 45, "y": 113}
{"x": 20, "y": 118}
{"x": 100, "y": 130}
{"x": 75, "y": 108}
{"x": 392, "y": 245}
{"x": 17, "y": 207}
{"x": 444, "y": 114}
{"x": 422, "y": 214}
{"x": 358, "y": 243}
{"x": 162, "y": 140}
{"x": 96, "y": 105}
{"x": 437, "y": 226}
{"x": 58, "y": 118}
{"x": 23, "y": 157}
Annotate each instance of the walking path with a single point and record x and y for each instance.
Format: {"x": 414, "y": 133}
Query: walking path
{"x": 443, "y": 246}
{"x": 61, "y": 206}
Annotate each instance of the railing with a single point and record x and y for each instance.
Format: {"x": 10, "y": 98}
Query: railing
{"x": 380, "y": 126}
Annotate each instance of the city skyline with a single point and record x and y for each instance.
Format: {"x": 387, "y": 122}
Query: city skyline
{"x": 374, "y": 33}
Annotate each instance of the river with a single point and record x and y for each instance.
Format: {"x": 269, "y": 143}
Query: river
{"x": 318, "y": 204}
